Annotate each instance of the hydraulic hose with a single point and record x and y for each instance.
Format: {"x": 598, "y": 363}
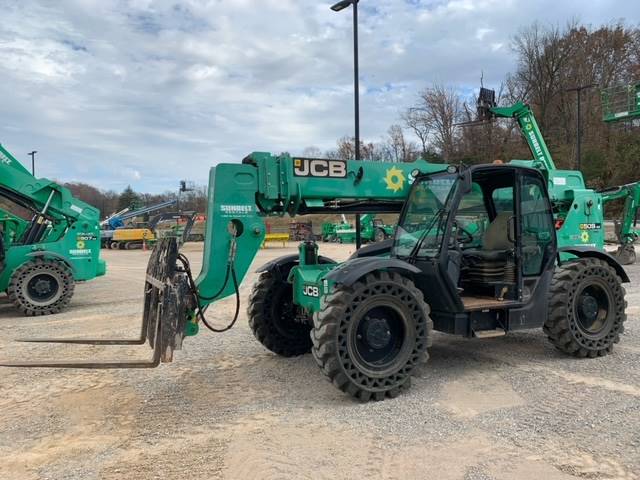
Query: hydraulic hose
{"x": 230, "y": 270}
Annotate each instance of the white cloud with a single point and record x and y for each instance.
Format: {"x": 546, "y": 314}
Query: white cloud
{"x": 151, "y": 91}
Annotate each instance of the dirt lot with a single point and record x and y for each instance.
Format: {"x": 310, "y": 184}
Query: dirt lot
{"x": 504, "y": 408}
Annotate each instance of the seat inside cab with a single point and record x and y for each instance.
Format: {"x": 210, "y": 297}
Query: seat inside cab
{"x": 484, "y": 233}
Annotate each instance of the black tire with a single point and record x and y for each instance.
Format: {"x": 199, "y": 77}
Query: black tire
{"x": 379, "y": 235}
{"x": 41, "y": 287}
{"x": 372, "y": 358}
{"x": 274, "y": 319}
{"x": 586, "y": 308}
{"x": 114, "y": 245}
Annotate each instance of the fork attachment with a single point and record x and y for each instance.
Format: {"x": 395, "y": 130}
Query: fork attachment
{"x": 167, "y": 300}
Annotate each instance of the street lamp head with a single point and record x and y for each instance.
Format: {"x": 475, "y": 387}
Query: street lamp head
{"x": 342, "y": 4}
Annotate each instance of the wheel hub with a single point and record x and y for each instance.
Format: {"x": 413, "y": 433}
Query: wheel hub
{"x": 378, "y": 339}
{"x": 42, "y": 287}
{"x": 589, "y": 307}
{"x": 377, "y": 333}
{"x": 592, "y": 309}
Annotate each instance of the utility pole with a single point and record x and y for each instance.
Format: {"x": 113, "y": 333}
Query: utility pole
{"x": 579, "y": 90}
{"x": 33, "y": 162}
{"x": 356, "y": 88}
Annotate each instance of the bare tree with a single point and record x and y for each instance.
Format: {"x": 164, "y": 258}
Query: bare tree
{"x": 442, "y": 108}
{"x": 312, "y": 152}
{"x": 347, "y": 150}
{"x": 417, "y": 122}
{"x": 397, "y": 148}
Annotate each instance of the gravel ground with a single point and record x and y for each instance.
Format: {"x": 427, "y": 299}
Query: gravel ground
{"x": 502, "y": 408}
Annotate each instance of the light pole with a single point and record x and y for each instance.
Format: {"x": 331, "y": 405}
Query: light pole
{"x": 356, "y": 87}
{"x": 578, "y": 90}
{"x": 33, "y": 162}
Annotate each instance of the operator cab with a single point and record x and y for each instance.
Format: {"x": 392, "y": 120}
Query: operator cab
{"x": 483, "y": 239}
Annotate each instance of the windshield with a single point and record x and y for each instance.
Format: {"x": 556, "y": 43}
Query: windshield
{"x": 422, "y": 226}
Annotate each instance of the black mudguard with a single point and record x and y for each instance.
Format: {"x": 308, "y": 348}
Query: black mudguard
{"x": 374, "y": 250}
{"x": 352, "y": 270}
{"x": 281, "y": 266}
{"x": 584, "y": 252}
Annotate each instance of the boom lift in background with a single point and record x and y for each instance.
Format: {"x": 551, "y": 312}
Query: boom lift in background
{"x": 622, "y": 103}
{"x": 115, "y": 235}
{"x": 572, "y": 201}
{"x": 368, "y": 321}
{"x": 41, "y": 258}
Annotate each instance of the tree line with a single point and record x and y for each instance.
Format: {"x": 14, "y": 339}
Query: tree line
{"x": 550, "y": 62}
{"x": 110, "y": 201}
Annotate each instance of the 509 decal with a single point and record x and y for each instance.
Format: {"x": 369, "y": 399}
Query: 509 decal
{"x": 319, "y": 167}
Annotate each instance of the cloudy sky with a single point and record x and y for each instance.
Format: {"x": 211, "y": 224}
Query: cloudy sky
{"x": 147, "y": 92}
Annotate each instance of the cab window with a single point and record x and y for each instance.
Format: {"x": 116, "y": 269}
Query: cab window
{"x": 537, "y": 225}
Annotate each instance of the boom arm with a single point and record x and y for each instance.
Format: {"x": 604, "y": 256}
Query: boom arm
{"x": 117, "y": 220}
{"x": 40, "y": 194}
{"x": 530, "y": 131}
{"x": 241, "y": 195}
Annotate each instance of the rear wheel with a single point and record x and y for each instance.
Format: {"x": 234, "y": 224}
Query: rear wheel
{"x": 275, "y": 320}
{"x": 379, "y": 235}
{"x": 369, "y": 338}
{"x": 41, "y": 287}
{"x": 586, "y": 308}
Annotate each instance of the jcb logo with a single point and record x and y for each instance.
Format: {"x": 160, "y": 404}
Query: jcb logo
{"x": 311, "y": 291}
{"x": 319, "y": 167}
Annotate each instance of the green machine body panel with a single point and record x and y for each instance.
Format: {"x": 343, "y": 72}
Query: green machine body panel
{"x": 70, "y": 229}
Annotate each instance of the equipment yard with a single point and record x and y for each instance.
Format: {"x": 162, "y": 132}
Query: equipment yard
{"x": 497, "y": 408}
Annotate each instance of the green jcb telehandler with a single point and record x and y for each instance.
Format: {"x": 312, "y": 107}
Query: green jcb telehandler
{"x": 368, "y": 321}
{"x": 48, "y": 240}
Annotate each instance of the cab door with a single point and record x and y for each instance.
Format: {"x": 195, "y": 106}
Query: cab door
{"x": 536, "y": 231}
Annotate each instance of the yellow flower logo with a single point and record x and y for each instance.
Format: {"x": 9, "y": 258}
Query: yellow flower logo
{"x": 584, "y": 237}
{"x": 394, "y": 179}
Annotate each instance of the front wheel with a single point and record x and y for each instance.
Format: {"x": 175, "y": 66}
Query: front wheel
{"x": 41, "y": 287}
{"x": 369, "y": 338}
{"x": 275, "y": 320}
{"x": 586, "y": 308}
